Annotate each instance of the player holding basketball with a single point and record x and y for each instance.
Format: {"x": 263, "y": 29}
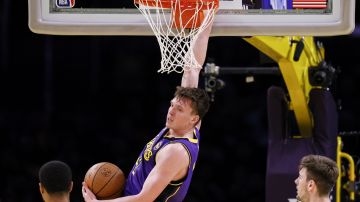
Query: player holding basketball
{"x": 164, "y": 168}
{"x": 55, "y": 181}
{"x": 317, "y": 177}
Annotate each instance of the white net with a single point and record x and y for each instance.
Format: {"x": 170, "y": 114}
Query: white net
{"x": 176, "y": 25}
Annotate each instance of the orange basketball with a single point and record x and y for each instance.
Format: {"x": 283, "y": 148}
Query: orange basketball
{"x": 105, "y": 180}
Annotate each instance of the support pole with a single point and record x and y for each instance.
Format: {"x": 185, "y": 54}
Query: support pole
{"x": 294, "y": 61}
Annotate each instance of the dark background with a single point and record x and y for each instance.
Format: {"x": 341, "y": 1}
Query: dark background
{"x": 87, "y": 99}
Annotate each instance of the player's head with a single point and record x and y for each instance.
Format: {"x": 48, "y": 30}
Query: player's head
{"x": 55, "y": 178}
{"x": 189, "y": 105}
{"x": 317, "y": 175}
{"x": 199, "y": 99}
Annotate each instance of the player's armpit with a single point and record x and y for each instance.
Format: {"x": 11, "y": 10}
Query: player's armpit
{"x": 172, "y": 162}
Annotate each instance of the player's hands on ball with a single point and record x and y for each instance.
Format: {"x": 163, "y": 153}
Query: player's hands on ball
{"x": 87, "y": 194}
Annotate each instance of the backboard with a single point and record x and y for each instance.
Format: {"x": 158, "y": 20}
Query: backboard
{"x": 234, "y": 17}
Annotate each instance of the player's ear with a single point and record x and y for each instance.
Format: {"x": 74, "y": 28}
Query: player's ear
{"x": 195, "y": 119}
{"x": 311, "y": 185}
{"x": 71, "y": 186}
{"x": 41, "y": 188}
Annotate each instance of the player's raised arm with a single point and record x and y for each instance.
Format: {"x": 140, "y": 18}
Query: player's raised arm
{"x": 190, "y": 76}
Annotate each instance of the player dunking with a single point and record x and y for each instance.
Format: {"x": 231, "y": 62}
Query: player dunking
{"x": 164, "y": 168}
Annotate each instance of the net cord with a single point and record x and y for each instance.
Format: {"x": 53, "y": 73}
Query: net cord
{"x": 176, "y": 42}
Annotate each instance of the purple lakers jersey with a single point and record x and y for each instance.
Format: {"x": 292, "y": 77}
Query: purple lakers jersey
{"x": 176, "y": 190}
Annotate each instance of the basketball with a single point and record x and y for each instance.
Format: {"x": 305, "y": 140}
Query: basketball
{"x": 105, "y": 180}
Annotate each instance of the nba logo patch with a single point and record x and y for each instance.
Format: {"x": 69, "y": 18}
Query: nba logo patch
{"x": 157, "y": 146}
{"x": 65, "y": 3}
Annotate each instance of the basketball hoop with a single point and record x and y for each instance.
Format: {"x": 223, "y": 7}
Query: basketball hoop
{"x": 176, "y": 25}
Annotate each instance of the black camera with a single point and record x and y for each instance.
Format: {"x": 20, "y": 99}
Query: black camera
{"x": 322, "y": 75}
{"x": 212, "y": 83}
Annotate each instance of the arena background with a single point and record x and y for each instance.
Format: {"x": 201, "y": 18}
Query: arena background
{"x": 86, "y": 99}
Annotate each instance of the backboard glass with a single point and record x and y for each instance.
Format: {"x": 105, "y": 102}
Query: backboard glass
{"x": 234, "y": 17}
